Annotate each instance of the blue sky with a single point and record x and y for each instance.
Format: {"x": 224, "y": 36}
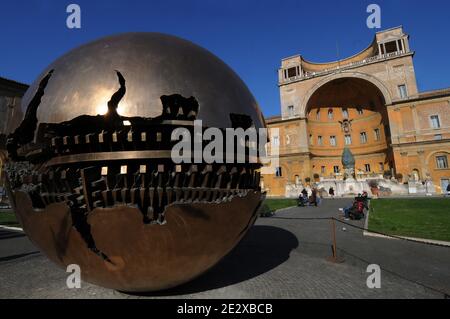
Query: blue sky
{"x": 251, "y": 36}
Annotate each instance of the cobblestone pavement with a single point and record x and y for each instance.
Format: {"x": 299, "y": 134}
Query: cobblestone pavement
{"x": 281, "y": 257}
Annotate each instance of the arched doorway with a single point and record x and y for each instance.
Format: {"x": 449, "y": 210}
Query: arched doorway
{"x": 348, "y": 112}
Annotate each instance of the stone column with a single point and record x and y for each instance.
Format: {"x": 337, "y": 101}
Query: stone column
{"x": 303, "y": 137}
{"x": 423, "y": 167}
{"x": 406, "y": 44}
{"x": 395, "y": 124}
{"x": 415, "y": 119}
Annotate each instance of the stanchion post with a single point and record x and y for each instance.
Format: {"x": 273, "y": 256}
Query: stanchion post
{"x": 334, "y": 257}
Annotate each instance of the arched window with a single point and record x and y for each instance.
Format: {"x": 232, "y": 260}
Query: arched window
{"x": 345, "y": 113}
{"x": 330, "y": 114}
{"x": 415, "y": 175}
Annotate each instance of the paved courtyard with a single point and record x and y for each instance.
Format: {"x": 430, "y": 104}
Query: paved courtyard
{"x": 281, "y": 257}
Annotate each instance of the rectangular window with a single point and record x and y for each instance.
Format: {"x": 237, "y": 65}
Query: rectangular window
{"x": 345, "y": 113}
{"x": 381, "y": 167}
{"x": 292, "y": 72}
{"x": 336, "y": 169}
{"x": 363, "y": 137}
{"x": 360, "y": 111}
{"x": 441, "y": 161}
{"x": 275, "y": 141}
{"x": 319, "y": 140}
{"x": 435, "y": 123}
{"x": 348, "y": 139}
{"x": 333, "y": 140}
{"x": 367, "y": 167}
{"x": 438, "y": 137}
{"x": 391, "y": 46}
{"x": 290, "y": 110}
{"x": 377, "y": 134}
{"x": 318, "y": 114}
{"x": 322, "y": 169}
{"x": 330, "y": 114}
{"x": 278, "y": 172}
{"x": 402, "y": 91}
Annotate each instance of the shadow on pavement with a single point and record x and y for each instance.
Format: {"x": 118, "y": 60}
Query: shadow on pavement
{"x": 262, "y": 249}
{"x": 7, "y": 234}
{"x": 12, "y": 257}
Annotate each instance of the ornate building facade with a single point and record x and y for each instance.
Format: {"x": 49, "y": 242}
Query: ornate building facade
{"x": 368, "y": 103}
{"x": 11, "y": 93}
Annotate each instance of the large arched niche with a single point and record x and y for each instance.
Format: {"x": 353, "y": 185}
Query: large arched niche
{"x": 363, "y": 100}
{"x": 363, "y": 81}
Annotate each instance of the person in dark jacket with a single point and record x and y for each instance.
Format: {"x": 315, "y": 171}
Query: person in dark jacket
{"x": 313, "y": 200}
{"x": 331, "y": 192}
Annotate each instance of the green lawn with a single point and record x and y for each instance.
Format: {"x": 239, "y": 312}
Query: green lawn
{"x": 416, "y": 217}
{"x": 272, "y": 204}
{"x": 8, "y": 218}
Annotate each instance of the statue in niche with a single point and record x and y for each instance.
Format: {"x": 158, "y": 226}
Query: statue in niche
{"x": 348, "y": 162}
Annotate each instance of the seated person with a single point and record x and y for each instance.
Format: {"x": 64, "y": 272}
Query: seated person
{"x": 355, "y": 211}
{"x": 302, "y": 199}
{"x": 365, "y": 199}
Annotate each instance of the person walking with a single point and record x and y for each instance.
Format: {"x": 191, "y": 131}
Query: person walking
{"x": 331, "y": 192}
{"x": 314, "y": 197}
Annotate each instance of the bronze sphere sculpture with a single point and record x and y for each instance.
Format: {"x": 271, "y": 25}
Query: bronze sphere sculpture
{"x": 90, "y": 173}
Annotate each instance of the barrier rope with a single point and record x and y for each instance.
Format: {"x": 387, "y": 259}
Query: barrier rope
{"x": 364, "y": 229}
{"x": 445, "y": 294}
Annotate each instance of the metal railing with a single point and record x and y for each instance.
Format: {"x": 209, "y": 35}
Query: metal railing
{"x": 308, "y": 75}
